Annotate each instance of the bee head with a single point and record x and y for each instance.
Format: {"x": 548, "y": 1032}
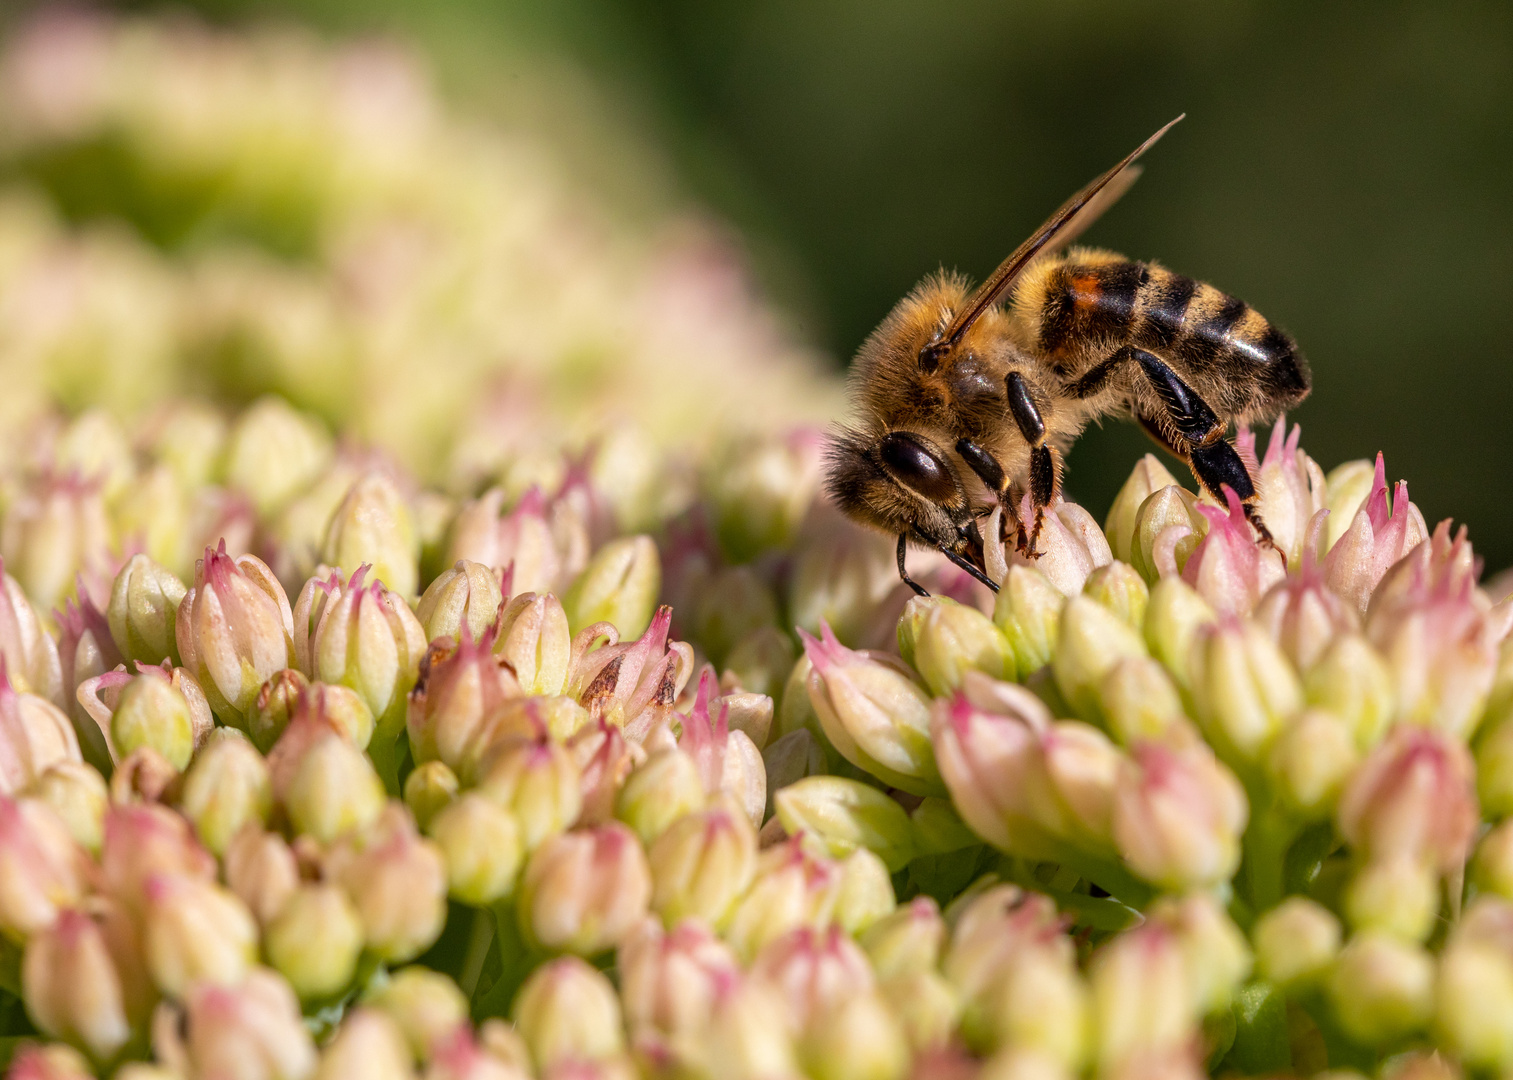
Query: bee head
{"x": 901, "y": 482}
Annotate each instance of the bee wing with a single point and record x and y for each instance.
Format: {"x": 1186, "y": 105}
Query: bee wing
{"x": 1075, "y": 215}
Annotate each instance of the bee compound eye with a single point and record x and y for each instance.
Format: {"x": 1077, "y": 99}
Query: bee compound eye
{"x": 919, "y": 467}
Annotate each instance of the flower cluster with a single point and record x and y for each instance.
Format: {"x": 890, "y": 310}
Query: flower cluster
{"x": 524, "y": 744}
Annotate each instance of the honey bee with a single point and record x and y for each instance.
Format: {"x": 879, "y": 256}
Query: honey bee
{"x": 962, "y": 391}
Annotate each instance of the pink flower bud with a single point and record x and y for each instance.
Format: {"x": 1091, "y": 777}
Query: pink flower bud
{"x": 262, "y": 871}
{"x": 1290, "y": 490}
{"x": 536, "y": 780}
{"x": 326, "y": 785}
{"x": 52, "y": 1062}
{"x": 234, "y": 631}
{"x": 1375, "y": 540}
{"x": 83, "y": 983}
{"x": 520, "y": 541}
{"x": 29, "y": 653}
{"x": 34, "y": 735}
{"x": 425, "y": 1004}
{"x": 1414, "y": 796}
{"x": 813, "y": 970}
{"x": 1230, "y": 569}
{"x": 1143, "y": 1000}
{"x": 910, "y": 939}
{"x": 460, "y": 1056}
{"x": 367, "y": 1046}
{"x": 456, "y": 692}
{"x": 620, "y": 682}
{"x": 481, "y": 844}
{"x": 85, "y": 650}
{"x": 1178, "y": 815}
{"x": 195, "y": 932}
{"x": 874, "y": 714}
{"x": 702, "y": 863}
{"x": 604, "y": 759}
{"x": 584, "y": 891}
{"x": 41, "y": 868}
{"x": 727, "y": 760}
{"x": 992, "y": 931}
{"x": 1070, "y": 545}
{"x": 669, "y": 981}
{"x": 398, "y": 882}
{"x": 791, "y": 888}
{"x": 1303, "y": 615}
{"x": 251, "y": 1031}
{"x": 146, "y": 839}
{"x": 57, "y": 531}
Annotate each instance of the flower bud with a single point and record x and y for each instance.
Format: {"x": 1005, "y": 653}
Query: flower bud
{"x": 952, "y": 638}
{"x": 429, "y": 789}
{"x": 791, "y": 888}
{"x": 327, "y": 786}
{"x": 1168, "y": 527}
{"x": 758, "y": 491}
{"x": 367, "y": 1046}
{"x": 1070, "y": 545}
{"x": 925, "y": 1005}
{"x": 534, "y": 640}
{"x": 702, "y": 863}
{"x": 274, "y": 451}
{"x": 1290, "y": 490}
{"x": 860, "y": 1039}
{"x": 460, "y": 1056}
{"x": 605, "y": 758}
{"x": 481, "y": 845}
{"x": 726, "y": 760}
{"x": 29, "y": 652}
{"x": 1474, "y": 991}
{"x": 1142, "y": 1000}
{"x": 618, "y": 586}
{"x": 814, "y": 970}
{"x": 566, "y": 1010}
{"x": 1304, "y": 616}
{"x": 1375, "y": 539}
{"x": 196, "y": 931}
{"x": 1352, "y": 682}
{"x": 1148, "y": 477}
{"x": 1243, "y": 689}
{"x": 866, "y": 892}
{"x": 1093, "y": 639}
{"x": 41, "y": 868}
{"x": 56, "y": 533}
{"x": 1381, "y": 988}
{"x": 1028, "y": 610}
{"x": 314, "y": 941}
{"x": 467, "y": 595}
{"x": 398, "y": 883}
{"x": 585, "y": 890}
{"x": 1229, "y": 568}
{"x": 1442, "y": 653}
{"x": 1038, "y": 1003}
{"x": 373, "y": 527}
{"x": 537, "y": 782}
{"x": 152, "y": 712}
{"x": 1140, "y": 701}
{"x": 234, "y": 629}
{"x": 1120, "y": 589}
{"x": 143, "y": 840}
{"x": 1412, "y": 797}
{"x": 252, "y": 1029}
{"x": 275, "y": 703}
{"x": 631, "y": 684}
{"x": 1178, "y": 815}
{"x": 747, "y": 1037}
{"x": 660, "y": 790}
{"x": 1492, "y": 867}
{"x": 1217, "y": 954}
{"x": 85, "y": 651}
{"x": 76, "y": 792}
{"x": 759, "y": 663}
{"x": 1346, "y": 489}
{"x": 34, "y": 736}
{"x": 226, "y": 787}
{"x": 369, "y": 640}
{"x": 731, "y": 603}
{"x": 82, "y": 987}
{"x": 1173, "y": 621}
{"x": 845, "y": 815}
{"x": 455, "y": 694}
{"x": 262, "y": 871}
{"x": 670, "y": 980}
{"x": 425, "y": 1004}
{"x": 1296, "y": 942}
{"x": 1398, "y": 896}
{"x": 877, "y": 718}
{"x": 144, "y": 604}
{"x": 1310, "y": 762}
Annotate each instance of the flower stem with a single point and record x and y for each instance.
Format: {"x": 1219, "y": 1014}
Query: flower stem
{"x": 479, "y": 942}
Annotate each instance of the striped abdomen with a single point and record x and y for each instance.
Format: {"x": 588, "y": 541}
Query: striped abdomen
{"x": 1089, "y": 300}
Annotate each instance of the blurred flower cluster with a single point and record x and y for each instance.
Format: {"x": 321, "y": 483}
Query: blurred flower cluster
{"x": 483, "y": 702}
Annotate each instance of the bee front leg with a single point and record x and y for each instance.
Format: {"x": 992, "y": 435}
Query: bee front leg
{"x": 903, "y": 547}
{"x": 1044, "y": 474}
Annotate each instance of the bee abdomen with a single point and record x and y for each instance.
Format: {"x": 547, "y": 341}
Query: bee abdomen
{"x": 1103, "y": 300}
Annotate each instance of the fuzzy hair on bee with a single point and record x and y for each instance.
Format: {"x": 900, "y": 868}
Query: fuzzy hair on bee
{"x": 968, "y": 399}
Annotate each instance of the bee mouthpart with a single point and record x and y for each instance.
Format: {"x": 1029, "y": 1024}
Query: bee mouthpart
{"x": 967, "y": 553}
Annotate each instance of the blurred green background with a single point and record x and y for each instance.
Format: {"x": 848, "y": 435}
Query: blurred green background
{"x": 1345, "y": 168}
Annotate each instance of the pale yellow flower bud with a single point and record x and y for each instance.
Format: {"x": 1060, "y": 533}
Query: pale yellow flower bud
{"x": 464, "y": 597}
{"x": 196, "y": 933}
{"x": 225, "y": 788}
{"x": 314, "y": 941}
{"x": 583, "y": 891}
{"x": 481, "y": 844}
{"x": 567, "y": 1010}
{"x": 144, "y": 603}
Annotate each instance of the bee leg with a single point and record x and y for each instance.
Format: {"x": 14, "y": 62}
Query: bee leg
{"x": 986, "y": 466}
{"x": 1200, "y": 439}
{"x": 1043, "y": 470}
{"x": 903, "y": 544}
